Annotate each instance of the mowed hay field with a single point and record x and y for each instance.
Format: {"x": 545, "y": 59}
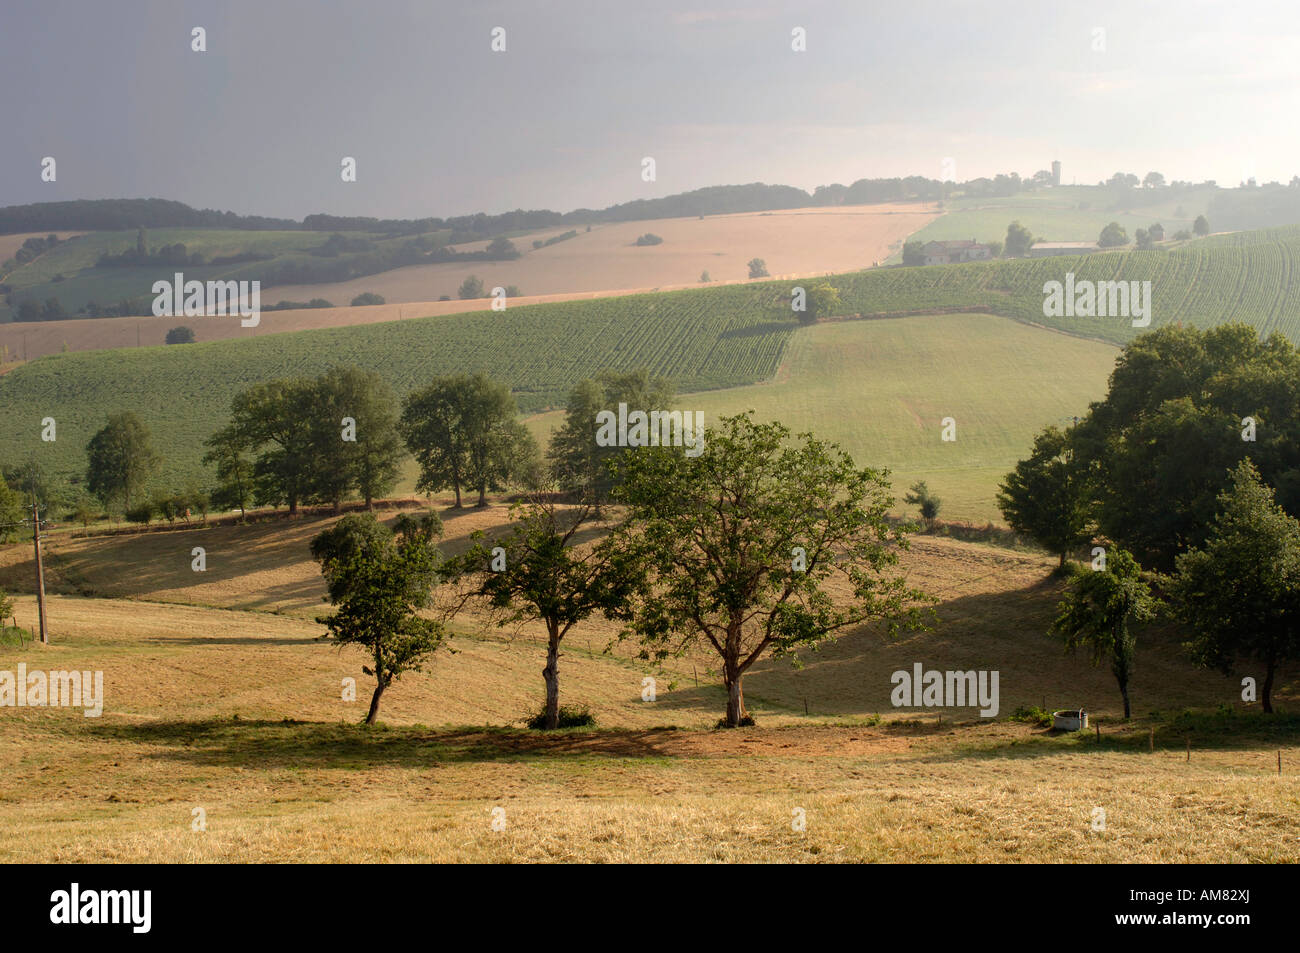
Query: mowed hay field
{"x": 793, "y": 242}
{"x": 881, "y": 389}
{"x": 239, "y": 713}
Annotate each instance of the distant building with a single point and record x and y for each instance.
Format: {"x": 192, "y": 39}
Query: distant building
{"x": 953, "y": 252}
{"x": 1051, "y": 249}
{"x": 1056, "y": 171}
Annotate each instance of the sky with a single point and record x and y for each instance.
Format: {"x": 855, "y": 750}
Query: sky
{"x": 439, "y": 124}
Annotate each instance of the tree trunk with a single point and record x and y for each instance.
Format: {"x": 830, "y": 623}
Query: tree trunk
{"x": 735, "y": 701}
{"x": 374, "y": 702}
{"x": 552, "y": 675}
{"x": 293, "y": 505}
{"x": 1266, "y": 696}
{"x": 1061, "y": 564}
{"x": 482, "y": 495}
{"x": 370, "y": 502}
{"x": 1123, "y": 690}
{"x": 456, "y": 486}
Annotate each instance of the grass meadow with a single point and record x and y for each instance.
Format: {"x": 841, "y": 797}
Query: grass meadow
{"x": 221, "y": 697}
{"x": 881, "y": 389}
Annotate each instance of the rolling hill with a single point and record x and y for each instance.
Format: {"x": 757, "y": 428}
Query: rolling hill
{"x": 881, "y": 388}
{"x": 705, "y": 339}
{"x": 1068, "y": 213}
{"x": 604, "y": 258}
{"x": 210, "y": 705}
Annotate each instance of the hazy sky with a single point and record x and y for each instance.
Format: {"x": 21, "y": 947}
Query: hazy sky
{"x": 441, "y": 125}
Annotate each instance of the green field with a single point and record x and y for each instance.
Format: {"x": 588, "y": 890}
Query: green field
{"x": 1244, "y": 276}
{"x": 880, "y": 388}
{"x": 1068, "y": 213}
{"x": 704, "y": 339}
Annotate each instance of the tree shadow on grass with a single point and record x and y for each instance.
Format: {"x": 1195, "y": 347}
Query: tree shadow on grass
{"x": 758, "y": 330}
{"x": 266, "y": 744}
{"x": 262, "y": 640}
{"x": 272, "y": 744}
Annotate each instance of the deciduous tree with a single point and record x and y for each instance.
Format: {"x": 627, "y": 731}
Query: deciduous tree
{"x": 1099, "y": 607}
{"x": 742, "y": 540}
{"x": 120, "y": 459}
{"x": 577, "y": 463}
{"x": 542, "y": 569}
{"x": 1043, "y": 498}
{"x": 1240, "y": 592}
{"x": 380, "y": 583}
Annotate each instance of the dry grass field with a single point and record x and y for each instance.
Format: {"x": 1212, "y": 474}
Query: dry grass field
{"x": 598, "y": 263}
{"x": 213, "y": 702}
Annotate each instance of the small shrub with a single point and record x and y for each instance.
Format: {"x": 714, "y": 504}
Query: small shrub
{"x": 929, "y": 504}
{"x": 1033, "y": 715}
{"x": 142, "y": 513}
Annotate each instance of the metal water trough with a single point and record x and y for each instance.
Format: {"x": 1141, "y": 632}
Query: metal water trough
{"x": 1070, "y": 720}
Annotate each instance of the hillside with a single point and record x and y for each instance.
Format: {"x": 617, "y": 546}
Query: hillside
{"x": 89, "y": 274}
{"x": 240, "y": 713}
{"x": 805, "y": 241}
{"x": 1243, "y": 276}
{"x": 703, "y": 338}
{"x": 881, "y": 388}
{"x": 1073, "y": 213}
{"x": 994, "y": 608}
{"x": 603, "y": 259}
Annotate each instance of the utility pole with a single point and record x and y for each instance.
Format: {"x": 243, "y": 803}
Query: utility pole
{"x": 40, "y": 572}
